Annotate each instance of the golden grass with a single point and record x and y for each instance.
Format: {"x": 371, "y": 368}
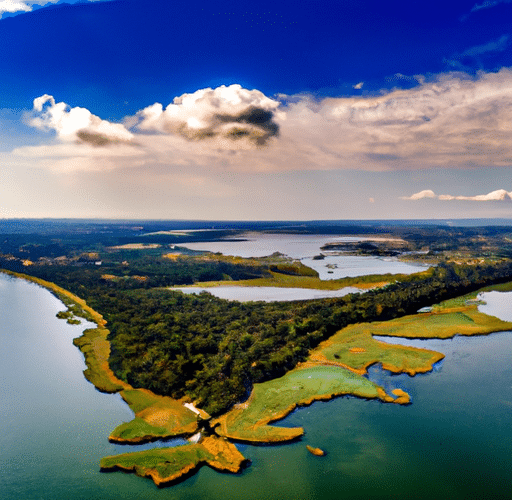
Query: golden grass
{"x": 155, "y": 417}
{"x": 354, "y": 348}
{"x": 166, "y": 466}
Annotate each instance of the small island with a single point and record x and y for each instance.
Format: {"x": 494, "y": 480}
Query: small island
{"x": 315, "y": 451}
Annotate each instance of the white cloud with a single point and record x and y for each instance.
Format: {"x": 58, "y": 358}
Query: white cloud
{"x": 75, "y": 124}
{"x": 225, "y": 112}
{"x": 452, "y": 121}
{"x": 498, "y": 195}
{"x": 12, "y": 6}
{"x": 358, "y": 86}
{"x": 426, "y": 193}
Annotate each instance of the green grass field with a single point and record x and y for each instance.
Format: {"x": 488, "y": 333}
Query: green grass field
{"x": 444, "y": 322}
{"x": 155, "y": 417}
{"x": 355, "y": 348}
{"x": 273, "y": 400}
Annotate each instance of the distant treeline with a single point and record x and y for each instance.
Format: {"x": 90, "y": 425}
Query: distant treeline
{"x": 33, "y": 239}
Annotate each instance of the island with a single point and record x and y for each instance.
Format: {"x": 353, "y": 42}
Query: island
{"x": 219, "y": 372}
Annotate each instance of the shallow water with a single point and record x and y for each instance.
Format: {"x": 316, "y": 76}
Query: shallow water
{"x": 454, "y": 441}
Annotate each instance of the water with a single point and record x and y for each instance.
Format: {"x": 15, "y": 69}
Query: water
{"x": 268, "y": 293}
{"x": 497, "y": 304}
{"x": 304, "y": 247}
{"x": 454, "y": 441}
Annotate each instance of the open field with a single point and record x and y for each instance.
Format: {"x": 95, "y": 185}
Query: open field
{"x": 273, "y": 400}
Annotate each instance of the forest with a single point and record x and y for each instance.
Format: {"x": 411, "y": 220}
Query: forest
{"x": 212, "y": 350}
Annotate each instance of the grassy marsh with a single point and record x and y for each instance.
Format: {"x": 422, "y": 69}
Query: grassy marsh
{"x": 273, "y": 400}
{"x": 169, "y": 465}
{"x": 155, "y": 417}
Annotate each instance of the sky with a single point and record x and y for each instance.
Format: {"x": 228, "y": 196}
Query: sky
{"x": 311, "y": 110}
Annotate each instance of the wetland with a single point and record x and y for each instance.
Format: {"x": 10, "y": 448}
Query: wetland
{"x": 286, "y": 356}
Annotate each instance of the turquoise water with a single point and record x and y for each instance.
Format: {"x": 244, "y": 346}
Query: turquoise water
{"x": 454, "y": 441}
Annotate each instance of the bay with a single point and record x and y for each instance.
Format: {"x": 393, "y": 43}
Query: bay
{"x": 454, "y": 441}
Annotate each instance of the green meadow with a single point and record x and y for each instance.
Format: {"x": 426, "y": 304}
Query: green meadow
{"x": 273, "y": 400}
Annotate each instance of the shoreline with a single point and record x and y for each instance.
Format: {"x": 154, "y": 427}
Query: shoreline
{"x": 160, "y": 418}
{"x": 92, "y": 343}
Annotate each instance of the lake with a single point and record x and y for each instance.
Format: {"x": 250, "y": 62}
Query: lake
{"x": 268, "y": 293}
{"x": 304, "y": 247}
{"x": 454, "y": 441}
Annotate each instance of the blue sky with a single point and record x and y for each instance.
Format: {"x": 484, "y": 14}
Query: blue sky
{"x": 256, "y": 110}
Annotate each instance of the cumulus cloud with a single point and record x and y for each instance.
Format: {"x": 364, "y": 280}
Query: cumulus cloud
{"x": 75, "y": 124}
{"x": 12, "y": 6}
{"x": 451, "y": 121}
{"x": 426, "y": 193}
{"x": 230, "y": 113}
{"x": 498, "y": 195}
